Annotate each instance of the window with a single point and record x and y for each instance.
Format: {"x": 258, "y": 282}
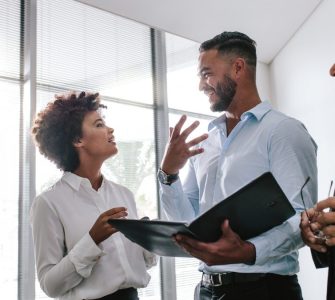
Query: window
{"x": 9, "y": 192}
{"x": 83, "y": 48}
{"x": 184, "y": 98}
{"x": 10, "y": 137}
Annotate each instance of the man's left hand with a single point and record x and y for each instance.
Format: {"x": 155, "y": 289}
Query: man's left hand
{"x": 228, "y": 249}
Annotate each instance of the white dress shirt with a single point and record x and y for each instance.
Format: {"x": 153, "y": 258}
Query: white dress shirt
{"x": 69, "y": 264}
{"x": 264, "y": 140}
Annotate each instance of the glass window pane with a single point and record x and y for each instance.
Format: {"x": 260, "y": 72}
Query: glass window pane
{"x": 187, "y": 274}
{"x": 133, "y": 167}
{"x": 187, "y": 277}
{"x": 10, "y": 151}
{"x": 84, "y": 48}
{"x": 10, "y": 38}
{"x": 9, "y": 192}
{"x": 182, "y": 80}
{"x": 183, "y": 94}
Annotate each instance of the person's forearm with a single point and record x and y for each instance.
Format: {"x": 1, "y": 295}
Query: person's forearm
{"x": 59, "y": 279}
{"x": 278, "y": 241}
{"x": 176, "y": 206}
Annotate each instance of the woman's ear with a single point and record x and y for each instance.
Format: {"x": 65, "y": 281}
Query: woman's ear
{"x": 77, "y": 143}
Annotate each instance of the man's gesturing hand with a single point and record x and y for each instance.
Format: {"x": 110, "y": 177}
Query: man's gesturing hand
{"x": 178, "y": 151}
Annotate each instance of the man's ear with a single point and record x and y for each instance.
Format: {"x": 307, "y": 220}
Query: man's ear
{"x": 239, "y": 67}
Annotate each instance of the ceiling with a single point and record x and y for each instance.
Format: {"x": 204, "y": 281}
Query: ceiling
{"x": 270, "y": 23}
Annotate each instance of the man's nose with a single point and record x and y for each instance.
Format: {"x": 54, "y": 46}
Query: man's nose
{"x": 202, "y": 85}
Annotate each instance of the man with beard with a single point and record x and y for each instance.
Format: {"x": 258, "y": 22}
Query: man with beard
{"x": 247, "y": 140}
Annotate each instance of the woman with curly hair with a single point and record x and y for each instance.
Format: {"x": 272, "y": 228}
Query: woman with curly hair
{"x": 79, "y": 255}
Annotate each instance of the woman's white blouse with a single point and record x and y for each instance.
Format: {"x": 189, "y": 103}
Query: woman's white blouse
{"x": 69, "y": 264}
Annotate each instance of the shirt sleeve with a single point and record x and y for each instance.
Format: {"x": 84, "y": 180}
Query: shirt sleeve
{"x": 57, "y": 270}
{"x": 150, "y": 259}
{"x": 181, "y": 202}
{"x": 292, "y": 159}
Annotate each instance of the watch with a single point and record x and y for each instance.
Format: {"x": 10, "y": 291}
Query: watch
{"x": 167, "y": 179}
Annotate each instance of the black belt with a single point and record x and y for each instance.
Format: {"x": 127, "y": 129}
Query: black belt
{"x": 229, "y": 278}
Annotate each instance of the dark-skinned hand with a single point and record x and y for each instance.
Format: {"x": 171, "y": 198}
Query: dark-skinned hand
{"x": 309, "y": 227}
{"x": 325, "y": 219}
{"x": 101, "y": 229}
{"x": 228, "y": 249}
{"x": 177, "y": 150}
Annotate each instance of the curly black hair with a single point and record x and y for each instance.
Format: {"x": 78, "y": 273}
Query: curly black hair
{"x": 59, "y": 125}
{"x": 233, "y": 42}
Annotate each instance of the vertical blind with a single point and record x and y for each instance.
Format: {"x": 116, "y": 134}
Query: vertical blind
{"x": 84, "y": 48}
{"x": 10, "y": 39}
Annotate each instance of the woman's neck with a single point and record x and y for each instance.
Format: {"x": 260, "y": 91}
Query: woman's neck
{"x": 92, "y": 174}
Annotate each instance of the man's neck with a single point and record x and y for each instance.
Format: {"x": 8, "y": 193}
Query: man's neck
{"x": 230, "y": 124}
{"x": 235, "y": 111}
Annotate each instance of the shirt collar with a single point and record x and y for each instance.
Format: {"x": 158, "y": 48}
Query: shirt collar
{"x": 257, "y": 112}
{"x": 75, "y": 181}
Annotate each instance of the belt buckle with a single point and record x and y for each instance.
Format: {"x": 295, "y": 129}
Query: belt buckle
{"x": 219, "y": 281}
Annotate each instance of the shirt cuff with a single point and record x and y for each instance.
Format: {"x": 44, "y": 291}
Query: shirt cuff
{"x": 262, "y": 247}
{"x": 150, "y": 259}
{"x": 84, "y": 255}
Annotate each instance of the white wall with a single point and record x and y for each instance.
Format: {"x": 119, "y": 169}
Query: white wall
{"x": 302, "y": 87}
{"x": 263, "y": 81}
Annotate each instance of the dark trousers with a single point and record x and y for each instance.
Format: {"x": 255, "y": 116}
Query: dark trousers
{"x": 322, "y": 260}
{"x": 125, "y": 294}
{"x": 268, "y": 287}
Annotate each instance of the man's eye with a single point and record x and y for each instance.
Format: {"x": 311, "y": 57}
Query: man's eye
{"x": 100, "y": 125}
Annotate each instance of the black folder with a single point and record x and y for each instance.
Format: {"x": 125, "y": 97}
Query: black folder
{"x": 252, "y": 210}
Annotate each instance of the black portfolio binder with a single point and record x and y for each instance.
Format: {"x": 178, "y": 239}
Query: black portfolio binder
{"x": 252, "y": 210}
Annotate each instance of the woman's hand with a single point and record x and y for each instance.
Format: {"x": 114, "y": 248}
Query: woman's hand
{"x": 101, "y": 229}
